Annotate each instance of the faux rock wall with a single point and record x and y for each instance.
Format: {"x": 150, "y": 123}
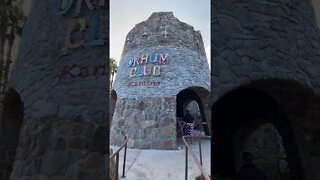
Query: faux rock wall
{"x": 266, "y": 145}
{"x": 163, "y": 28}
{"x": 53, "y": 79}
{"x": 63, "y": 90}
{"x": 274, "y": 47}
{"x": 161, "y": 57}
{"x": 267, "y": 38}
{"x": 149, "y": 122}
{"x": 184, "y": 69}
{"x": 301, "y": 106}
{"x": 60, "y": 148}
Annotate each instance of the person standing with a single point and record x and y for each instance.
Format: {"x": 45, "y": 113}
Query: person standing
{"x": 189, "y": 126}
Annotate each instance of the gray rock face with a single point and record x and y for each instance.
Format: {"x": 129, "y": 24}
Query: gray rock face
{"x": 63, "y": 91}
{"x": 263, "y": 142}
{"x": 182, "y": 69}
{"x": 269, "y": 39}
{"x": 273, "y": 47}
{"x": 162, "y": 28}
{"x": 161, "y": 57}
{"x": 179, "y": 58}
{"x": 149, "y": 123}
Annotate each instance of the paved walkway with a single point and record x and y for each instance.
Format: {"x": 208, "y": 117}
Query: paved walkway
{"x": 163, "y": 164}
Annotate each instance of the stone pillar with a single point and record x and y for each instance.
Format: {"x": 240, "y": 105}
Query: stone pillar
{"x": 60, "y": 75}
{"x": 162, "y": 56}
{"x": 274, "y": 47}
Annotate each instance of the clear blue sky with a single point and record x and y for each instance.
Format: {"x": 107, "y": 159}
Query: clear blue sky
{"x": 125, "y": 14}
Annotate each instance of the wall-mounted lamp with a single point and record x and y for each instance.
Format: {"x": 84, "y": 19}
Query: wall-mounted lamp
{"x": 164, "y": 33}
{"x": 145, "y": 34}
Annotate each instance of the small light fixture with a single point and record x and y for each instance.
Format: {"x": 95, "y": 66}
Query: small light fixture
{"x": 145, "y": 34}
{"x": 164, "y": 33}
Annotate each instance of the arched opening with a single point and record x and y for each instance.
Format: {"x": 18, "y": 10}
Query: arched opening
{"x": 194, "y": 110}
{"x": 265, "y": 143}
{"x": 113, "y": 101}
{"x": 10, "y": 129}
{"x": 240, "y": 114}
{"x": 192, "y": 95}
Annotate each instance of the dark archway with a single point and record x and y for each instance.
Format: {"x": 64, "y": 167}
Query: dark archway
{"x": 184, "y": 97}
{"x": 11, "y": 122}
{"x": 266, "y": 145}
{"x": 248, "y": 106}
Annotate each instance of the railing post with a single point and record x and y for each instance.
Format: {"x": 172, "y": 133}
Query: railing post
{"x": 117, "y": 166}
{"x": 204, "y": 175}
{"x": 117, "y": 154}
{"x": 200, "y": 151}
{"x": 186, "y": 172}
{"x": 124, "y": 161}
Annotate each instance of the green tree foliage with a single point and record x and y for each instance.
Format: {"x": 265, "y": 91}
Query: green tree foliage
{"x": 113, "y": 68}
{"x": 11, "y": 20}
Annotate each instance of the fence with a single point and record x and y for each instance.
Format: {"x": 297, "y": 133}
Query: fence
{"x": 204, "y": 175}
{"x": 116, "y": 154}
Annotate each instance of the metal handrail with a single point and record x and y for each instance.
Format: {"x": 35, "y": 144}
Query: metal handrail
{"x": 204, "y": 175}
{"x": 124, "y": 145}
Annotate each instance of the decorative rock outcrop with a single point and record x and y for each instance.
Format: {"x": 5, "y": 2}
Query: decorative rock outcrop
{"x": 161, "y": 57}
{"x": 269, "y": 50}
{"x": 269, "y": 39}
{"x": 60, "y": 80}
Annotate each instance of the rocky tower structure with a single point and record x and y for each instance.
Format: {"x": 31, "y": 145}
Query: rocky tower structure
{"x": 161, "y": 57}
{"x": 266, "y": 61}
{"x": 55, "y": 107}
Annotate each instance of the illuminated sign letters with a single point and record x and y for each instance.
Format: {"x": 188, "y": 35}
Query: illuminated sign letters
{"x": 79, "y": 24}
{"x": 78, "y": 71}
{"x": 147, "y": 64}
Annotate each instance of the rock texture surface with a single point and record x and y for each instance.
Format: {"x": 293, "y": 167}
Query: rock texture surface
{"x": 146, "y": 97}
{"x": 186, "y": 68}
{"x": 149, "y": 122}
{"x": 273, "y": 47}
{"x": 269, "y": 39}
{"x": 266, "y": 145}
{"x": 63, "y": 91}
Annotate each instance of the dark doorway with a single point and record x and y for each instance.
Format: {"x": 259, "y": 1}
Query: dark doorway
{"x": 11, "y": 122}
{"x": 246, "y": 110}
{"x": 186, "y": 96}
{"x": 113, "y": 101}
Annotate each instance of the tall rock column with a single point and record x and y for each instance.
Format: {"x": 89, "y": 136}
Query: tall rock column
{"x": 61, "y": 77}
{"x": 161, "y": 57}
{"x": 272, "y": 47}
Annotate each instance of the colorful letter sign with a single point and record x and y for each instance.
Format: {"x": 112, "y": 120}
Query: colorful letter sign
{"x": 89, "y": 37}
{"x": 147, "y": 64}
